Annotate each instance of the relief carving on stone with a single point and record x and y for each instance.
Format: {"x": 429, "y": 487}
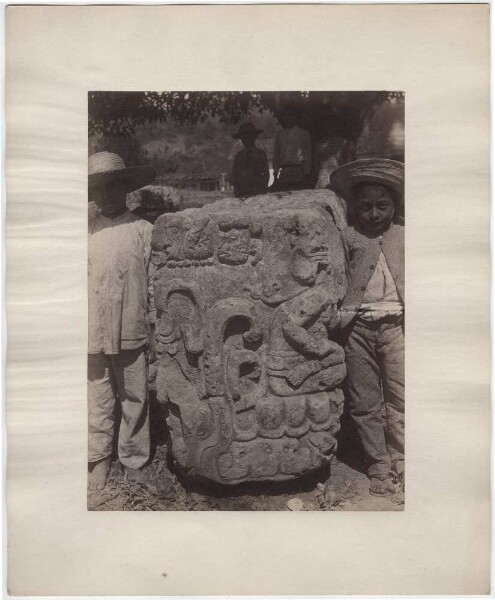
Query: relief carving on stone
{"x": 248, "y": 365}
{"x": 184, "y": 242}
{"x": 239, "y": 241}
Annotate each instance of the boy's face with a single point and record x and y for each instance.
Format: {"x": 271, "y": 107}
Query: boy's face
{"x": 110, "y": 197}
{"x": 374, "y": 207}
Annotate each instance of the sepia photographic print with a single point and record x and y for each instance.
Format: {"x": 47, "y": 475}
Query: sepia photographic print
{"x": 246, "y": 301}
{"x": 194, "y": 388}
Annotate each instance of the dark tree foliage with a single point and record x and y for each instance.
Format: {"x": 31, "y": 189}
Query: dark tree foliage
{"x": 322, "y": 113}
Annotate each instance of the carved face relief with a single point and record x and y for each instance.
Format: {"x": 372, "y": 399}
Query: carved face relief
{"x": 310, "y": 241}
{"x": 187, "y": 242}
{"x": 172, "y": 241}
{"x": 198, "y": 243}
{"x": 234, "y": 247}
{"x": 236, "y": 241}
{"x": 309, "y": 248}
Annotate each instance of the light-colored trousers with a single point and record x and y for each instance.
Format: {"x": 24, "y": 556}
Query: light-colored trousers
{"x": 119, "y": 377}
{"x": 375, "y": 375}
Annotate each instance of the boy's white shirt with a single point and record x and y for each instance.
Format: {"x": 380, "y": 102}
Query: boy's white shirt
{"x": 380, "y": 297}
{"x": 113, "y": 267}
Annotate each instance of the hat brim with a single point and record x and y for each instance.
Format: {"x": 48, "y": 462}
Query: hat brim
{"x": 133, "y": 177}
{"x": 238, "y": 135}
{"x": 385, "y": 172}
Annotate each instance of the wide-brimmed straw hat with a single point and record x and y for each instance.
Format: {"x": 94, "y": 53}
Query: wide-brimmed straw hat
{"x": 107, "y": 166}
{"x": 247, "y": 129}
{"x": 368, "y": 170}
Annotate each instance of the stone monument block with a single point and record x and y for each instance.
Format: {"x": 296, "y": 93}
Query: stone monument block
{"x": 246, "y": 295}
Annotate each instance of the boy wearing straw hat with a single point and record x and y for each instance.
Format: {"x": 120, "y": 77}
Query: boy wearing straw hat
{"x": 250, "y": 174}
{"x": 372, "y": 313}
{"x": 120, "y": 312}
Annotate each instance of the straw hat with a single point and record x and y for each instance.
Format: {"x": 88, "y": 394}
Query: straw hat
{"x": 106, "y": 166}
{"x": 368, "y": 170}
{"x": 246, "y": 129}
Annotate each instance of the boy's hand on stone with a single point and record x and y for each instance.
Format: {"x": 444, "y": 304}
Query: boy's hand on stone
{"x": 333, "y": 318}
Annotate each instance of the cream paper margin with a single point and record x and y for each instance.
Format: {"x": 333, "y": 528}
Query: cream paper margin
{"x": 437, "y": 54}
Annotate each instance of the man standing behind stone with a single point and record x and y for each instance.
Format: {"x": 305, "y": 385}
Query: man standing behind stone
{"x": 120, "y": 317}
{"x": 250, "y": 174}
{"x": 292, "y": 154}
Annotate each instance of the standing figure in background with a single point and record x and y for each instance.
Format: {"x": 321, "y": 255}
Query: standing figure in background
{"x": 292, "y": 154}
{"x": 334, "y": 148}
{"x": 250, "y": 174}
{"x": 121, "y": 318}
{"x": 372, "y": 313}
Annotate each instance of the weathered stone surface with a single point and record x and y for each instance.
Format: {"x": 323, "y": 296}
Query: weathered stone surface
{"x": 246, "y": 293}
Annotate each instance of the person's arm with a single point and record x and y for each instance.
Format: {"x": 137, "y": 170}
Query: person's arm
{"x": 265, "y": 172}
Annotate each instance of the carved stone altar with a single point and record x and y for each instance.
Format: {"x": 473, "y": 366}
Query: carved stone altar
{"x": 245, "y": 294}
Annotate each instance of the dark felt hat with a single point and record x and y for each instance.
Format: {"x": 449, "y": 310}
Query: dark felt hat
{"x": 246, "y": 129}
{"x": 368, "y": 170}
{"x": 106, "y": 166}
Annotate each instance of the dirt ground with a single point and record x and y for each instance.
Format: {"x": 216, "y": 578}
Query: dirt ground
{"x": 341, "y": 486}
